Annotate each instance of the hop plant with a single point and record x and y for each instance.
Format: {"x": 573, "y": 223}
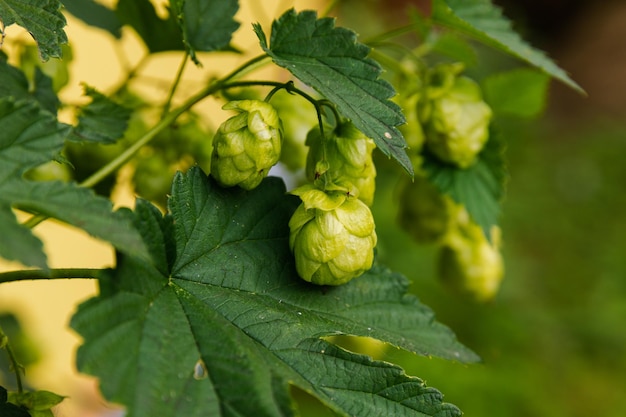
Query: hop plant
{"x": 455, "y": 118}
{"x": 332, "y": 236}
{"x": 344, "y": 158}
{"x": 424, "y": 212}
{"x": 247, "y": 145}
{"x": 468, "y": 263}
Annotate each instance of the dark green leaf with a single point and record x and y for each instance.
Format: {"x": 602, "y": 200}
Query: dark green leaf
{"x": 521, "y": 92}
{"x": 330, "y": 60}
{"x": 480, "y": 188}
{"x": 483, "y": 21}
{"x": 36, "y": 400}
{"x": 31, "y": 137}
{"x": 43, "y": 20}
{"x": 13, "y": 83}
{"x": 95, "y": 14}
{"x": 226, "y": 325}
{"x": 8, "y": 409}
{"x": 207, "y": 25}
{"x": 158, "y": 34}
{"x": 101, "y": 121}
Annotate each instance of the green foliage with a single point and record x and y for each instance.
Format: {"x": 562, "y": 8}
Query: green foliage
{"x": 101, "y": 121}
{"x": 206, "y": 25}
{"x": 31, "y": 137}
{"x": 480, "y": 188}
{"x": 330, "y": 60}
{"x": 221, "y": 288}
{"x": 203, "y": 312}
{"x": 485, "y": 22}
{"x": 43, "y": 20}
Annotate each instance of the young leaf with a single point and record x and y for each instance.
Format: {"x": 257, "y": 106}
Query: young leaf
{"x": 330, "y": 60}
{"x": 42, "y": 19}
{"x": 8, "y": 409}
{"x": 95, "y": 14}
{"x": 102, "y": 120}
{"x": 479, "y": 188}
{"x": 207, "y": 25}
{"x": 484, "y": 21}
{"x": 158, "y": 34}
{"x": 520, "y": 92}
{"x": 31, "y": 137}
{"x": 225, "y": 325}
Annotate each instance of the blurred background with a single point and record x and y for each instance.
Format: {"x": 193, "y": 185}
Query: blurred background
{"x": 553, "y": 341}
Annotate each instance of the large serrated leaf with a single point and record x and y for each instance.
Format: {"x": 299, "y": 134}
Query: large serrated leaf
{"x": 158, "y": 34}
{"x": 31, "y": 137}
{"x": 43, "y": 20}
{"x": 207, "y": 25}
{"x": 480, "y": 188}
{"x": 485, "y": 22}
{"x": 330, "y": 60}
{"x": 225, "y": 325}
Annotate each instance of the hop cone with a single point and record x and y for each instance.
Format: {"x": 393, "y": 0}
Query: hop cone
{"x": 332, "y": 236}
{"x": 348, "y": 160}
{"x": 247, "y": 145}
{"x": 456, "y": 119}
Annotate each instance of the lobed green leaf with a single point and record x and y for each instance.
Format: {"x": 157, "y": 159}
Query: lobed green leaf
{"x": 219, "y": 323}
{"x": 331, "y": 61}
{"x": 483, "y": 21}
{"x": 42, "y": 19}
{"x": 158, "y": 34}
{"x": 520, "y": 92}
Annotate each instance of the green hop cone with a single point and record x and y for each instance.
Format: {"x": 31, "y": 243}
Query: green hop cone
{"x": 424, "y": 212}
{"x": 332, "y": 236}
{"x": 468, "y": 263}
{"x": 455, "y": 117}
{"x": 348, "y": 160}
{"x": 247, "y": 145}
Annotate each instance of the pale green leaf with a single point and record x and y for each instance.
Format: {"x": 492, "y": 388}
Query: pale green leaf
{"x": 520, "y": 92}
{"x": 42, "y": 19}
{"x": 31, "y": 137}
{"x": 483, "y": 21}
{"x": 480, "y": 188}
{"x": 224, "y": 325}
{"x": 330, "y": 60}
{"x": 207, "y": 25}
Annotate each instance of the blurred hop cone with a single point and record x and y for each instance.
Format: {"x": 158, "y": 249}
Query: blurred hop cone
{"x": 332, "y": 236}
{"x": 454, "y": 116}
{"x": 344, "y": 157}
{"x": 468, "y": 263}
{"x": 247, "y": 145}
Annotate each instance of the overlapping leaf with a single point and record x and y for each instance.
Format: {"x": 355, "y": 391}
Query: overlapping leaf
{"x": 219, "y": 323}
{"x": 485, "y": 22}
{"x": 480, "y": 188}
{"x": 158, "y": 34}
{"x": 13, "y": 83}
{"x": 43, "y": 20}
{"x": 207, "y": 25}
{"x": 31, "y": 137}
{"x": 330, "y": 60}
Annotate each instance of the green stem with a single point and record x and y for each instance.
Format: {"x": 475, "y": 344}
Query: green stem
{"x": 57, "y": 273}
{"x": 13, "y": 361}
{"x": 179, "y": 75}
{"x": 168, "y": 119}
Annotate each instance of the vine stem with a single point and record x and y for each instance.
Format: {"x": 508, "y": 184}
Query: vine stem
{"x": 179, "y": 76}
{"x": 167, "y": 120}
{"x": 54, "y": 273}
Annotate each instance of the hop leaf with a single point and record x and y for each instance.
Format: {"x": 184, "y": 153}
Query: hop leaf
{"x": 247, "y": 145}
